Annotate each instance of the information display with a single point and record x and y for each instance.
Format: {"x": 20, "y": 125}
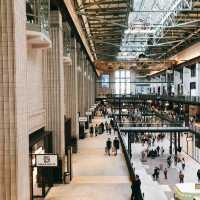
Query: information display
{"x": 46, "y": 160}
{"x": 83, "y": 119}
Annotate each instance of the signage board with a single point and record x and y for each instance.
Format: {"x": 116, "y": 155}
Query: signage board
{"x": 83, "y": 119}
{"x": 46, "y": 160}
{"x": 189, "y": 139}
{"x": 88, "y": 113}
{"x": 197, "y": 186}
{"x": 91, "y": 109}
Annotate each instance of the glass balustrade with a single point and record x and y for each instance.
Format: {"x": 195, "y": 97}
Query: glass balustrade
{"x": 37, "y": 15}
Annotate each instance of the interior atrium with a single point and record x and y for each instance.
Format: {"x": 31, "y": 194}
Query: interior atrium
{"x": 99, "y": 99}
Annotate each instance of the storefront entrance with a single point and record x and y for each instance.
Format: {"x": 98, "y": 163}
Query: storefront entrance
{"x": 40, "y": 142}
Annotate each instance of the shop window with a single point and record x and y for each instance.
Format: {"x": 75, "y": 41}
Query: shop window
{"x": 122, "y": 82}
{"x": 192, "y": 85}
{"x": 193, "y": 70}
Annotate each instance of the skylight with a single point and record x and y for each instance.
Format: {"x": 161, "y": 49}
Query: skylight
{"x": 147, "y": 22}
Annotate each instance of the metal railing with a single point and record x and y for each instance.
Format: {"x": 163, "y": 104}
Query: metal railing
{"x": 37, "y": 15}
{"x": 181, "y": 99}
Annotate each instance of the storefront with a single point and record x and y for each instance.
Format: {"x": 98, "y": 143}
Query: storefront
{"x": 40, "y": 142}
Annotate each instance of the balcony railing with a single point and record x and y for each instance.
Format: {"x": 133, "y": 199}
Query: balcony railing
{"x": 37, "y": 15}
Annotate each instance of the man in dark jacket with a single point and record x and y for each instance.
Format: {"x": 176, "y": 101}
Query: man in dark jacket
{"x": 108, "y": 146}
{"x": 116, "y": 145}
{"x": 136, "y": 191}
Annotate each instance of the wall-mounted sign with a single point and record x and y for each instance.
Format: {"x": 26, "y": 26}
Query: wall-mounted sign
{"x": 88, "y": 113}
{"x": 189, "y": 139}
{"x": 92, "y": 109}
{"x": 46, "y": 160}
{"x": 83, "y": 119}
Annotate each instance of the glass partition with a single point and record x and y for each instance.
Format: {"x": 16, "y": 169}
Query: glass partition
{"x": 37, "y": 15}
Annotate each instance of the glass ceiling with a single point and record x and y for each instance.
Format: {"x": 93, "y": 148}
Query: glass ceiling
{"x": 147, "y": 21}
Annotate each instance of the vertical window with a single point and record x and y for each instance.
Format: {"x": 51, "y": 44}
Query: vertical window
{"x": 122, "y": 82}
{"x": 193, "y": 70}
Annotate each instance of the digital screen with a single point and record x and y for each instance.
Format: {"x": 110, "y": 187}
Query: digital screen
{"x": 105, "y": 80}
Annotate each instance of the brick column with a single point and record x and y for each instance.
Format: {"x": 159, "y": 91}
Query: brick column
{"x": 14, "y": 148}
{"x": 54, "y": 84}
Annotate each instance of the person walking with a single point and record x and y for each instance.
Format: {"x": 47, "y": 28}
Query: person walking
{"x": 169, "y": 162}
{"x": 109, "y": 129}
{"x": 165, "y": 173}
{"x": 181, "y": 177}
{"x": 108, "y": 146}
{"x": 136, "y": 190}
{"x": 91, "y": 130}
{"x": 158, "y": 150}
{"x": 106, "y": 125}
{"x": 183, "y": 163}
{"x": 175, "y": 160}
{"x": 198, "y": 175}
{"x": 116, "y": 145}
{"x": 162, "y": 151}
{"x": 96, "y": 130}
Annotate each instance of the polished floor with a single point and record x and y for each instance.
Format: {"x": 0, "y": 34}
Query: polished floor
{"x": 96, "y": 176}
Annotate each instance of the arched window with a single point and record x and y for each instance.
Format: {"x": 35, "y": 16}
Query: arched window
{"x": 122, "y": 82}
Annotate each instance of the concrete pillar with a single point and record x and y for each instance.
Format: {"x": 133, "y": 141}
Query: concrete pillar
{"x": 186, "y": 81}
{"x": 133, "y": 79}
{"x": 187, "y": 115}
{"x": 54, "y": 84}
{"x": 175, "y": 143}
{"x": 14, "y": 148}
{"x": 74, "y": 94}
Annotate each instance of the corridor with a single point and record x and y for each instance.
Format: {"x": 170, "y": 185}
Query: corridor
{"x": 96, "y": 176}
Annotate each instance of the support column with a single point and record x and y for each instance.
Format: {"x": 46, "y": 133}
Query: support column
{"x": 14, "y": 142}
{"x": 187, "y": 115}
{"x": 129, "y": 145}
{"x": 175, "y": 143}
{"x": 170, "y": 147}
{"x": 74, "y": 94}
{"x": 179, "y": 140}
{"x": 54, "y": 83}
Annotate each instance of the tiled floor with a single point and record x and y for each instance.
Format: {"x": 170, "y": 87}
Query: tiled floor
{"x": 162, "y": 189}
{"x": 96, "y": 175}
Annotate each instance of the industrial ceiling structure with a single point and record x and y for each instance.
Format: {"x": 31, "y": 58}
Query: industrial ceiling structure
{"x": 135, "y": 30}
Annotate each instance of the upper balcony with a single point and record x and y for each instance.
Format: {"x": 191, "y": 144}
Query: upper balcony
{"x": 37, "y": 20}
{"x": 66, "y": 43}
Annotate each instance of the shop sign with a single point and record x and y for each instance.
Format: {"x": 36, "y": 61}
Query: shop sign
{"x": 46, "y": 160}
{"x": 88, "y": 113}
{"x": 92, "y": 109}
{"x": 83, "y": 119}
{"x": 189, "y": 139}
{"x": 197, "y": 186}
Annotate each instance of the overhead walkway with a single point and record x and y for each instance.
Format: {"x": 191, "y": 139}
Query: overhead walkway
{"x": 192, "y": 100}
{"x": 95, "y": 176}
{"x": 153, "y": 129}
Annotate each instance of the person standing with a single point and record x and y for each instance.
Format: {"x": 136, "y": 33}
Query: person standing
{"x": 116, "y": 145}
{"x": 198, "y": 175}
{"x": 96, "y": 130}
{"x": 108, "y": 146}
{"x": 136, "y": 190}
{"x": 181, "y": 177}
{"x": 158, "y": 150}
{"x": 91, "y": 130}
{"x": 165, "y": 173}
